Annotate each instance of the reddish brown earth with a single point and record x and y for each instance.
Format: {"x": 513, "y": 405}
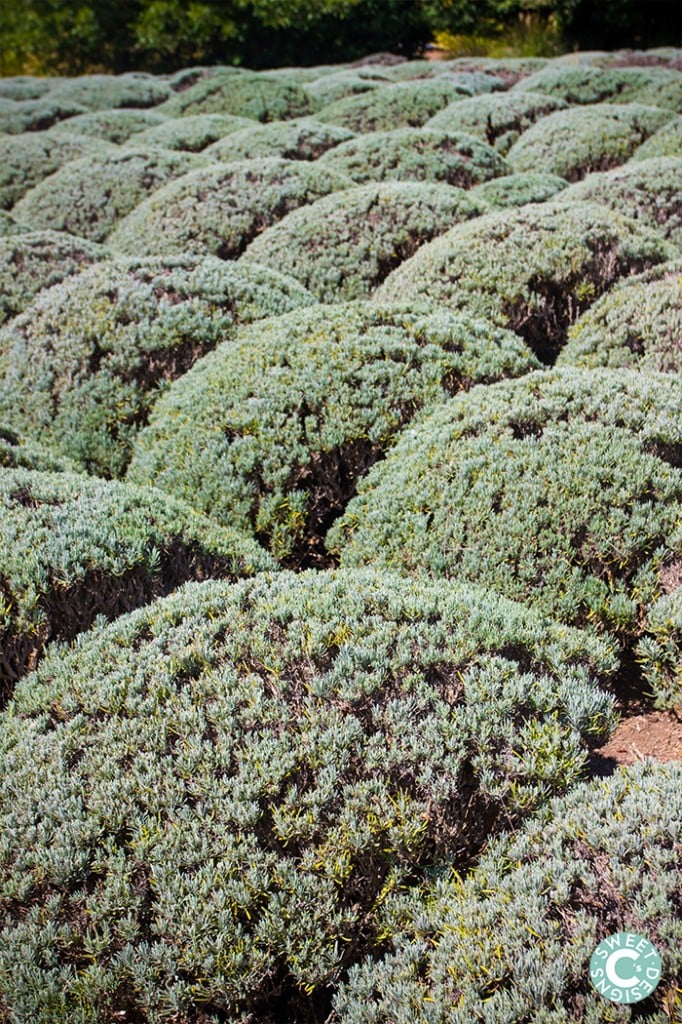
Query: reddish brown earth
{"x": 655, "y": 734}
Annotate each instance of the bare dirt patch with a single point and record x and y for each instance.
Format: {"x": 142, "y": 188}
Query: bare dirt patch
{"x": 654, "y": 734}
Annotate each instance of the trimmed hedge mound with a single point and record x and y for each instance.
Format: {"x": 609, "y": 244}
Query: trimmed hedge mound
{"x": 473, "y": 82}
{"x": 573, "y": 143}
{"x": 35, "y": 115}
{"x": 219, "y": 209}
{"x": 193, "y": 133}
{"x": 416, "y": 154}
{"x": 345, "y": 244}
{"x": 657, "y": 87}
{"x": 273, "y": 430}
{"x": 349, "y": 82}
{"x": 667, "y": 141}
{"x": 659, "y": 653}
{"x": 513, "y": 942}
{"x": 206, "y": 806}
{"x": 74, "y": 548}
{"x": 508, "y": 69}
{"x": 113, "y": 125}
{"x": 8, "y": 225}
{"x": 533, "y": 269}
{"x": 24, "y": 87}
{"x": 637, "y": 324}
{"x": 19, "y": 453}
{"x": 32, "y": 260}
{"x": 242, "y": 93}
{"x": 648, "y": 191}
{"x": 402, "y": 105}
{"x": 519, "y": 190}
{"x": 106, "y": 92}
{"x": 299, "y": 139}
{"x": 498, "y": 119}
{"x": 26, "y": 159}
{"x": 82, "y": 368}
{"x": 89, "y": 196}
{"x": 560, "y": 489}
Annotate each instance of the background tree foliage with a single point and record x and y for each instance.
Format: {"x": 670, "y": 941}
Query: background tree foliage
{"x": 75, "y": 36}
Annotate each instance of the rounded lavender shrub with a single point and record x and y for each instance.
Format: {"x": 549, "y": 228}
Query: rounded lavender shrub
{"x": 89, "y": 196}
{"x": 209, "y": 804}
{"x": 498, "y": 119}
{"x": 399, "y": 105}
{"x": 81, "y": 369}
{"x": 534, "y": 269}
{"x": 18, "y": 116}
{"x": 575, "y": 142}
{"x": 220, "y": 208}
{"x": 519, "y": 190}
{"x": 116, "y": 126}
{"x": 242, "y": 93}
{"x": 512, "y": 942}
{"x": 416, "y": 154}
{"x": 105, "y": 92}
{"x": 26, "y": 159}
{"x": 667, "y": 141}
{"x": 274, "y": 429}
{"x": 561, "y": 489}
{"x": 636, "y": 324}
{"x": 193, "y": 133}
{"x": 656, "y": 87}
{"x": 648, "y": 191}
{"x": 298, "y": 139}
{"x": 74, "y": 548}
{"x": 32, "y": 260}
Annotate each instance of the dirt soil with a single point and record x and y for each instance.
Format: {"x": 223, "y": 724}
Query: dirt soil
{"x": 654, "y": 734}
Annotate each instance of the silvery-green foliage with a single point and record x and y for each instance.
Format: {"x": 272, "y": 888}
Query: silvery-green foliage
{"x": 242, "y": 93}
{"x": 508, "y": 69}
{"x": 304, "y": 75}
{"x": 499, "y": 119}
{"x": 474, "y": 82}
{"x": 301, "y": 138}
{"x": 659, "y": 652}
{"x": 575, "y": 142}
{"x": 273, "y": 430}
{"x": 533, "y": 269}
{"x": 73, "y": 548}
{"x": 8, "y": 226}
{"x": 512, "y": 942}
{"x": 667, "y": 141}
{"x": 116, "y": 125}
{"x": 344, "y": 245}
{"x": 654, "y": 86}
{"x": 648, "y": 191}
{"x": 638, "y": 324}
{"x": 31, "y": 260}
{"x": 416, "y": 154}
{"x": 398, "y": 105}
{"x": 208, "y": 805}
{"x": 560, "y": 489}
{"x": 519, "y": 189}
{"x": 348, "y": 82}
{"x": 28, "y": 158}
{"x": 25, "y": 87}
{"x": 218, "y": 209}
{"x": 18, "y": 116}
{"x": 20, "y": 453}
{"x": 81, "y": 369}
{"x": 89, "y": 196}
{"x": 106, "y": 92}
{"x": 194, "y": 132}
